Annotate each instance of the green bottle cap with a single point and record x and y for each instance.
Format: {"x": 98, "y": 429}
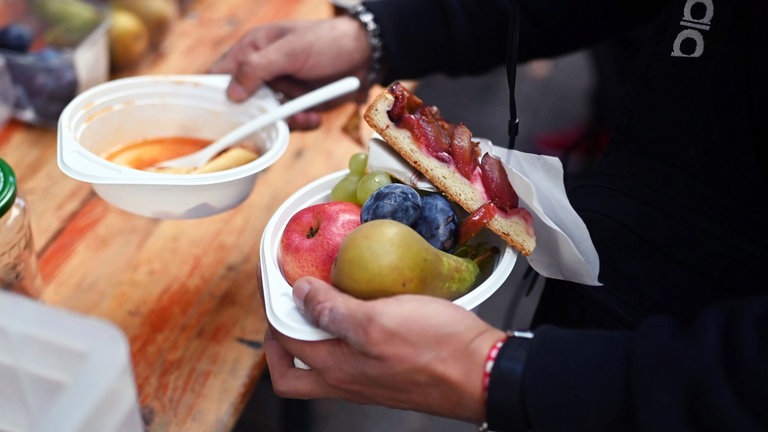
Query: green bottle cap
{"x": 7, "y": 187}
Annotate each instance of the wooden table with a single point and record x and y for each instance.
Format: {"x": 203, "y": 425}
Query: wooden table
{"x": 185, "y": 292}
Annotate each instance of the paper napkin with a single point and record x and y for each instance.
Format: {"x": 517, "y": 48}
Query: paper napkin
{"x": 564, "y": 249}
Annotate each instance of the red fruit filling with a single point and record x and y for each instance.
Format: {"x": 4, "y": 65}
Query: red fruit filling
{"x": 453, "y": 144}
{"x": 464, "y": 151}
{"x": 476, "y": 221}
{"x": 496, "y": 184}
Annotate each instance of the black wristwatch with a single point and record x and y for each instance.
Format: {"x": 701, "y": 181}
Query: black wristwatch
{"x": 505, "y": 407}
{"x": 365, "y": 17}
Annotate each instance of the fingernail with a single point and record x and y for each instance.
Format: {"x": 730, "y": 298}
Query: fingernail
{"x": 300, "y": 290}
{"x": 236, "y": 92}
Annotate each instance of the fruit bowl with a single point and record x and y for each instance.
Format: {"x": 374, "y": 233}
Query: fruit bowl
{"x": 55, "y": 50}
{"x": 278, "y": 298}
{"x": 129, "y": 110}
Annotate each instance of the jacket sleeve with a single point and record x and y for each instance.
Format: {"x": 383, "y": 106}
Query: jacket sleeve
{"x": 459, "y": 37}
{"x": 712, "y": 375}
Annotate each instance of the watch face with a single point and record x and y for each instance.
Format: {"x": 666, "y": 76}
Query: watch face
{"x": 345, "y": 4}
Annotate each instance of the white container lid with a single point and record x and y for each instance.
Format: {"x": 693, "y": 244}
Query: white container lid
{"x": 64, "y": 372}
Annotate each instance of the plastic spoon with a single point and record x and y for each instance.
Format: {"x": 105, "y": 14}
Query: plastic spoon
{"x": 294, "y": 106}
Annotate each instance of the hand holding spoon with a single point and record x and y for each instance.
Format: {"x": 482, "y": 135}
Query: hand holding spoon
{"x": 294, "y": 106}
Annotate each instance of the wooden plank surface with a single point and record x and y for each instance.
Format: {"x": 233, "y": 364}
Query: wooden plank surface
{"x": 185, "y": 292}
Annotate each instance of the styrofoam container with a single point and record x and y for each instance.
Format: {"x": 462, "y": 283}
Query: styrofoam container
{"x": 128, "y": 110}
{"x": 64, "y": 372}
{"x": 278, "y": 294}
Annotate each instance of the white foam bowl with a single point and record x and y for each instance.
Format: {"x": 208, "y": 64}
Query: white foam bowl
{"x": 128, "y": 110}
{"x": 278, "y": 298}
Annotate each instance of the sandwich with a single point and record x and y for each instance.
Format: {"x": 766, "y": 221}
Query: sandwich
{"x": 446, "y": 154}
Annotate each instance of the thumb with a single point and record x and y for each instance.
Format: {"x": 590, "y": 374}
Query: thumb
{"x": 328, "y": 308}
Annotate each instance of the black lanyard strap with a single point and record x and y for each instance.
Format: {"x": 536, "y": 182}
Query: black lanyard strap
{"x": 514, "y": 31}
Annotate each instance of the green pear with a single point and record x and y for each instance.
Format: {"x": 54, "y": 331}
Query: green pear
{"x": 384, "y": 257}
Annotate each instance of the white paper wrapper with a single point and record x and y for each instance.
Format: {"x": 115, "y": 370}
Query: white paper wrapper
{"x": 564, "y": 249}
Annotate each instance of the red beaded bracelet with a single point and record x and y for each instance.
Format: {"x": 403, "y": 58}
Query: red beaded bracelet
{"x": 490, "y": 359}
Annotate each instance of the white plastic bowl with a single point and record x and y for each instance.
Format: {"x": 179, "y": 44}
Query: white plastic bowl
{"x": 127, "y": 110}
{"x": 278, "y": 297}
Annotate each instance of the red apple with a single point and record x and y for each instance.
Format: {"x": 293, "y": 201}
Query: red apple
{"x": 312, "y": 237}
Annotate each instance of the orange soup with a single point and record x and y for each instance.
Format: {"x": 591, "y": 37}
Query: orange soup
{"x": 147, "y": 153}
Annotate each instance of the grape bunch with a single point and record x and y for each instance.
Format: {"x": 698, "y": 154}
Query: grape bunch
{"x": 359, "y": 184}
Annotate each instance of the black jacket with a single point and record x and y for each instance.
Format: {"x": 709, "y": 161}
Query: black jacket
{"x": 677, "y": 337}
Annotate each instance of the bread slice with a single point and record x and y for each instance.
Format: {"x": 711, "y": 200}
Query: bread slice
{"x": 515, "y": 227}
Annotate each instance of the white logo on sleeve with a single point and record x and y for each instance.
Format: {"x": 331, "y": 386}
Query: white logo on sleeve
{"x": 697, "y": 17}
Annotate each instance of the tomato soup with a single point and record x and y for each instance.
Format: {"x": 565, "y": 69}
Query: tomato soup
{"x": 148, "y": 153}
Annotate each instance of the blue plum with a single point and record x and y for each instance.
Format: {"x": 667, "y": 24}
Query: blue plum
{"x": 16, "y": 37}
{"x": 394, "y": 201}
{"x": 439, "y": 223}
{"x": 45, "y": 81}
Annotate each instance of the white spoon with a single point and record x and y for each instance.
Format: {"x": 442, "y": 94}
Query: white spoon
{"x": 294, "y": 106}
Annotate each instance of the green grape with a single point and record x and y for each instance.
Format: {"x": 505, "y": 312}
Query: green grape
{"x": 357, "y": 163}
{"x": 346, "y": 189}
{"x": 370, "y": 183}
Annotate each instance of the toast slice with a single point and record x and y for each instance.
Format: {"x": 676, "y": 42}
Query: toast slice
{"x": 515, "y": 226}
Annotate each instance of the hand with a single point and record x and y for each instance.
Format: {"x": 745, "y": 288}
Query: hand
{"x": 410, "y": 352}
{"x": 295, "y": 57}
